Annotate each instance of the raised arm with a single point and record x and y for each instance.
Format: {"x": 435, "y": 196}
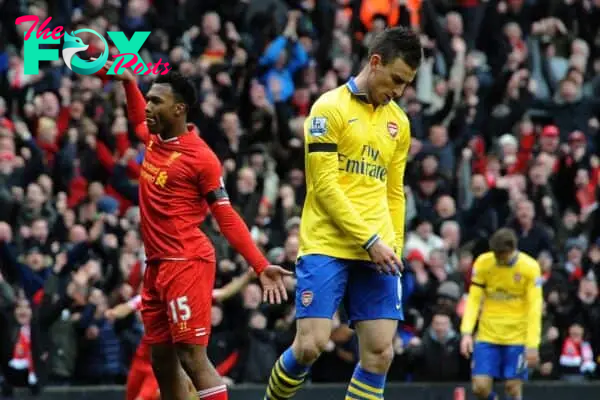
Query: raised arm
{"x": 395, "y": 186}
{"x": 136, "y": 104}
{"x": 322, "y": 131}
{"x": 234, "y": 228}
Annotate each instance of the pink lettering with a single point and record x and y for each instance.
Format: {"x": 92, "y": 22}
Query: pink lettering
{"x": 166, "y": 69}
{"x": 121, "y": 57}
{"x": 157, "y": 66}
{"x": 28, "y": 18}
{"x": 149, "y": 70}
{"x": 42, "y": 29}
{"x": 138, "y": 68}
{"x": 55, "y": 34}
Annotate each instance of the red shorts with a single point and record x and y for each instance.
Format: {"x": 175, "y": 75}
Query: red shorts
{"x": 177, "y": 300}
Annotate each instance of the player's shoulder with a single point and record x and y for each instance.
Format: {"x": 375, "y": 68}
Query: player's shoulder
{"x": 528, "y": 263}
{"x": 485, "y": 260}
{"x": 198, "y": 152}
{"x": 328, "y": 112}
{"x": 333, "y": 100}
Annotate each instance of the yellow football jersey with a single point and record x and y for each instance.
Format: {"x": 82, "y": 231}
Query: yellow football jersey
{"x": 355, "y": 158}
{"x": 510, "y": 300}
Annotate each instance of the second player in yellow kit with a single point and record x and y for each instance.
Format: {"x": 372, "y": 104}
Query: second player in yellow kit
{"x": 506, "y": 297}
{"x": 356, "y": 146}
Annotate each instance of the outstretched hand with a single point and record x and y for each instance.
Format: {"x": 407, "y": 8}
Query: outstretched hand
{"x": 271, "y": 280}
{"x": 126, "y": 75}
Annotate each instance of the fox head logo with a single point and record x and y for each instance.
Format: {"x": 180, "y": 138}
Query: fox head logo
{"x": 73, "y": 45}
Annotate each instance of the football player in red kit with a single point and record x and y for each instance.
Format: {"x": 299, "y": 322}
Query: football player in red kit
{"x": 180, "y": 182}
{"x": 141, "y": 383}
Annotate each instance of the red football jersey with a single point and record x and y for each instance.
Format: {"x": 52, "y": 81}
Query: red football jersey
{"x": 175, "y": 176}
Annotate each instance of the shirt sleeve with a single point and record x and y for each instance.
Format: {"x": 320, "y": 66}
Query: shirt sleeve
{"x": 395, "y": 186}
{"x": 136, "y": 110}
{"x": 322, "y": 133}
{"x": 476, "y": 293}
{"x": 534, "y": 304}
{"x": 209, "y": 173}
{"x": 232, "y": 226}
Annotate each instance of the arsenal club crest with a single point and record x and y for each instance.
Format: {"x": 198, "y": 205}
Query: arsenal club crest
{"x": 517, "y": 278}
{"x": 392, "y": 129}
{"x": 307, "y": 298}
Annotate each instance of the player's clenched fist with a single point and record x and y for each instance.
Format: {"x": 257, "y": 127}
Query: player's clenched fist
{"x": 386, "y": 258}
{"x": 466, "y": 346}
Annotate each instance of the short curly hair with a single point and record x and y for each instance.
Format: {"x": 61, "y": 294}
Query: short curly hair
{"x": 183, "y": 88}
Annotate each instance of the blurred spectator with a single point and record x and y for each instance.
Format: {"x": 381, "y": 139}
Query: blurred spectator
{"x": 436, "y": 357}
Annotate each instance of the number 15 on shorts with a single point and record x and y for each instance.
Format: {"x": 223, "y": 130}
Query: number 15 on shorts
{"x": 180, "y": 310}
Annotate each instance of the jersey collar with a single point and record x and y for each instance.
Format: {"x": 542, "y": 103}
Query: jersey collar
{"x": 351, "y": 85}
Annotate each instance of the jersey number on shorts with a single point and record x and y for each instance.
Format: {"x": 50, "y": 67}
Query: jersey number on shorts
{"x": 180, "y": 311}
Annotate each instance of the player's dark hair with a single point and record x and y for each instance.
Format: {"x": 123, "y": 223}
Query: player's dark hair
{"x": 398, "y": 42}
{"x": 182, "y": 87}
{"x": 503, "y": 241}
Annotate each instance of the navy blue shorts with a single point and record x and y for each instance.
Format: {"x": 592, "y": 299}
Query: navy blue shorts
{"x": 324, "y": 281}
{"x": 499, "y": 361}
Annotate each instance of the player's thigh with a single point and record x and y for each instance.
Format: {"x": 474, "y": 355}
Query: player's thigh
{"x": 320, "y": 286}
{"x": 154, "y": 309}
{"x": 186, "y": 288}
{"x": 486, "y": 361}
{"x": 373, "y": 296}
{"x": 514, "y": 363}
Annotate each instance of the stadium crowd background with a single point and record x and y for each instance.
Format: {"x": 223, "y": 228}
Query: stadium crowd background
{"x": 505, "y": 123}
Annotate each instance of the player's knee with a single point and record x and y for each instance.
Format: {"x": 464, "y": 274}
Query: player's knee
{"x": 481, "y": 389}
{"x": 309, "y": 347}
{"x": 513, "y": 389}
{"x": 377, "y": 358}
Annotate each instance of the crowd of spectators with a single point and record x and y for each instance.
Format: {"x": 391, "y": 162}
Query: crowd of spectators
{"x": 505, "y": 123}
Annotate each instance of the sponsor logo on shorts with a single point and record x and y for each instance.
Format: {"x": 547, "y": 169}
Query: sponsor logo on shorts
{"x": 183, "y": 326}
{"x": 307, "y": 298}
{"x": 392, "y": 128}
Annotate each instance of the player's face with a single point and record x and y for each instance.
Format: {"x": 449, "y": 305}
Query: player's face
{"x": 388, "y": 82}
{"x": 161, "y": 108}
